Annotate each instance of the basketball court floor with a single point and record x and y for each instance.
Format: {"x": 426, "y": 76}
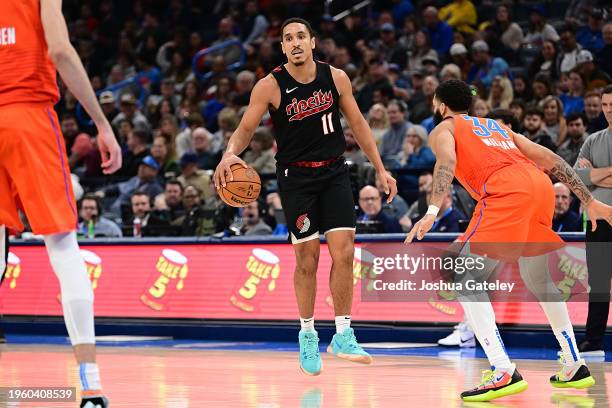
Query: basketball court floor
{"x": 161, "y": 372}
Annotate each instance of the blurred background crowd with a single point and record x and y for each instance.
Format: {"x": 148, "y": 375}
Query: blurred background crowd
{"x": 174, "y": 78}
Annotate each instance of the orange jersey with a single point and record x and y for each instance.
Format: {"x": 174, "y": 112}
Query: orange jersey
{"x": 27, "y": 75}
{"x": 483, "y": 146}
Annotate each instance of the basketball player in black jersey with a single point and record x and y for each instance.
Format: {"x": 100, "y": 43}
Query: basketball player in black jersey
{"x": 305, "y": 98}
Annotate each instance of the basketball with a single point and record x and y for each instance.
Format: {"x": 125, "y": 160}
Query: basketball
{"x": 243, "y": 189}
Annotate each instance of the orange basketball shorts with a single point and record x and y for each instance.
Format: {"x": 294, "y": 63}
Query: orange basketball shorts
{"x": 34, "y": 172}
{"x": 514, "y": 218}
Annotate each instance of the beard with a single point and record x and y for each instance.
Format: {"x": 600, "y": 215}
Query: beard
{"x": 437, "y": 118}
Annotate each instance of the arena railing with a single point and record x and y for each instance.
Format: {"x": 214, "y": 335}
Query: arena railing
{"x": 200, "y": 55}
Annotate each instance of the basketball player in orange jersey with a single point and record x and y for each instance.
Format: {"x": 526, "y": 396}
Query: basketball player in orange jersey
{"x": 34, "y": 173}
{"x": 304, "y": 98}
{"x": 503, "y": 171}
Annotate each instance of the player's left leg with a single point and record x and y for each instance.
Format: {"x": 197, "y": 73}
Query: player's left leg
{"x": 574, "y": 372}
{"x": 77, "y": 303}
{"x": 341, "y": 248}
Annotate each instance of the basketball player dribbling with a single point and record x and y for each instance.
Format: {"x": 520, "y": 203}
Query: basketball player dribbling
{"x": 34, "y": 173}
{"x": 304, "y": 98}
{"x": 503, "y": 171}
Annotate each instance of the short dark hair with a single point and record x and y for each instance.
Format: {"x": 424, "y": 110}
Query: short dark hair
{"x": 506, "y": 116}
{"x": 567, "y": 28}
{"x": 140, "y": 193}
{"x": 296, "y": 20}
{"x": 92, "y": 197}
{"x": 534, "y": 111}
{"x": 575, "y": 116}
{"x": 607, "y": 90}
{"x": 176, "y": 182}
{"x": 455, "y": 94}
{"x": 141, "y": 134}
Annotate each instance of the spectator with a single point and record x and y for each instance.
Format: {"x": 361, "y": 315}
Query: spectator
{"x": 459, "y": 55}
{"x": 137, "y": 150}
{"x": 123, "y": 130}
{"x": 378, "y": 120}
{"x": 541, "y": 88}
{"x": 162, "y": 151}
{"x": 353, "y": 153}
{"x": 183, "y": 139}
{"x": 254, "y": 24}
{"x": 373, "y": 218}
{"x": 145, "y": 181}
{"x": 539, "y": 30}
{"x": 554, "y": 122}
{"x": 570, "y": 49}
{"x": 517, "y": 107}
{"x": 394, "y": 137}
{"x": 546, "y": 62}
{"x": 424, "y": 110}
{"x": 415, "y": 155}
{"x": 440, "y": 33}
{"x": 190, "y": 99}
{"x": 573, "y": 101}
{"x": 564, "y": 219}
{"x": 448, "y": 218}
{"x": 419, "y": 206}
{"x": 225, "y": 31}
{"x": 245, "y": 81}
{"x": 228, "y": 122}
{"x": 151, "y": 224}
{"x": 191, "y": 175}
{"x": 460, "y": 15}
{"x": 167, "y": 92}
{"x": 590, "y": 36}
{"x": 522, "y": 88}
{"x": 377, "y": 80}
{"x": 130, "y": 111}
{"x": 485, "y": 67}
{"x": 401, "y": 10}
{"x": 92, "y": 224}
{"x": 501, "y": 93}
{"x": 388, "y": 47}
{"x": 480, "y": 109}
{"x": 533, "y": 128}
{"x": 173, "y": 199}
{"x": 252, "y": 224}
{"x": 503, "y": 30}
{"x": 420, "y": 51}
{"x": 594, "y": 166}
{"x": 260, "y": 155}
{"x": 576, "y": 135}
{"x": 107, "y": 102}
{"x": 200, "y": 139}
{"x": 450, "y": 71}
{"x": 594, "y": 78}
{"x": 604, "y": 56}
{"x": 206, "y": 219}
{"x": 596, "y": 120}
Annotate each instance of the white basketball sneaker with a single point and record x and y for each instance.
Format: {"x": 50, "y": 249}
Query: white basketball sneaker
{"x": 462, "y": 336}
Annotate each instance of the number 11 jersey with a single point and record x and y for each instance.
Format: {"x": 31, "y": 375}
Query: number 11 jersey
{"x": 307, "y": 122}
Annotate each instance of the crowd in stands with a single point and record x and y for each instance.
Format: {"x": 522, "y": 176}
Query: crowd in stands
{"x": 537, "y": 67}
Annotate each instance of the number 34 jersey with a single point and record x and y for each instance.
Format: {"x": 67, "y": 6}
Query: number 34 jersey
{"x": 483, "y": 146}
{"x": 307, "y": 121}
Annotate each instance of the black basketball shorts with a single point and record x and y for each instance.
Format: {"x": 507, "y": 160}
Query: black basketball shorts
{"x": 316, "y": 200}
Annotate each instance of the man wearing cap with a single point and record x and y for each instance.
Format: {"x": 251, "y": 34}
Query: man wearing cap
{"x": 192, "y": 175}
{"x": 130, "y": 111}
{"x": 485, "y": 67}
{"x": 388, "y": 47}
{"x": 145, "y": 181}
{"x": 459, "y": 56}
{"x": 594, "y": 78}
{"x": 107, "y": 102}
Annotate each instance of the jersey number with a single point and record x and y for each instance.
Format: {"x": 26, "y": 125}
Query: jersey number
{"x": 486, "y": 131}
{"x": 328, "y": 126}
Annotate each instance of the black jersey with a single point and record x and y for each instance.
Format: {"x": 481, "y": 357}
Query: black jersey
{"x": 307, "y": 122}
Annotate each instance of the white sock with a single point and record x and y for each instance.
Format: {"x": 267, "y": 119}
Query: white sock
{"x": 89, "y": 376}
{"x": 342, "y": 323}
{"x": 564, "y": 332}
{"x": 481, "y": 317}
{"x": 307, "y": 324}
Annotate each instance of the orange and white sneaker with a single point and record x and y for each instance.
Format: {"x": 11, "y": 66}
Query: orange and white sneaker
{"x": 496, "y": 384}
{"x": 576, "y": 376}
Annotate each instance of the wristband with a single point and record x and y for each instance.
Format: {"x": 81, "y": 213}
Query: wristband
{"x": 433, "y": 210}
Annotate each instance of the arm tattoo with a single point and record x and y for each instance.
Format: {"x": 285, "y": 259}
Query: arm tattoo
{"x": 566, "y": 174}
{"x": 442, "y": 179}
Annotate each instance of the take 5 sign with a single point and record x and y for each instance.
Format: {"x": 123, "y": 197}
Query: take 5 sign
{"x": 234, "y": 281}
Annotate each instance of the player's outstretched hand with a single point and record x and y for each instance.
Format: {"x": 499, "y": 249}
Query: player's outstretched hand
{"x": 223, "y": 172}
{"x": 110, "y": 151}
{"x": 389, "y": 185}
{"x": 598, "y": 210}
{"x": 420, "y": 228}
